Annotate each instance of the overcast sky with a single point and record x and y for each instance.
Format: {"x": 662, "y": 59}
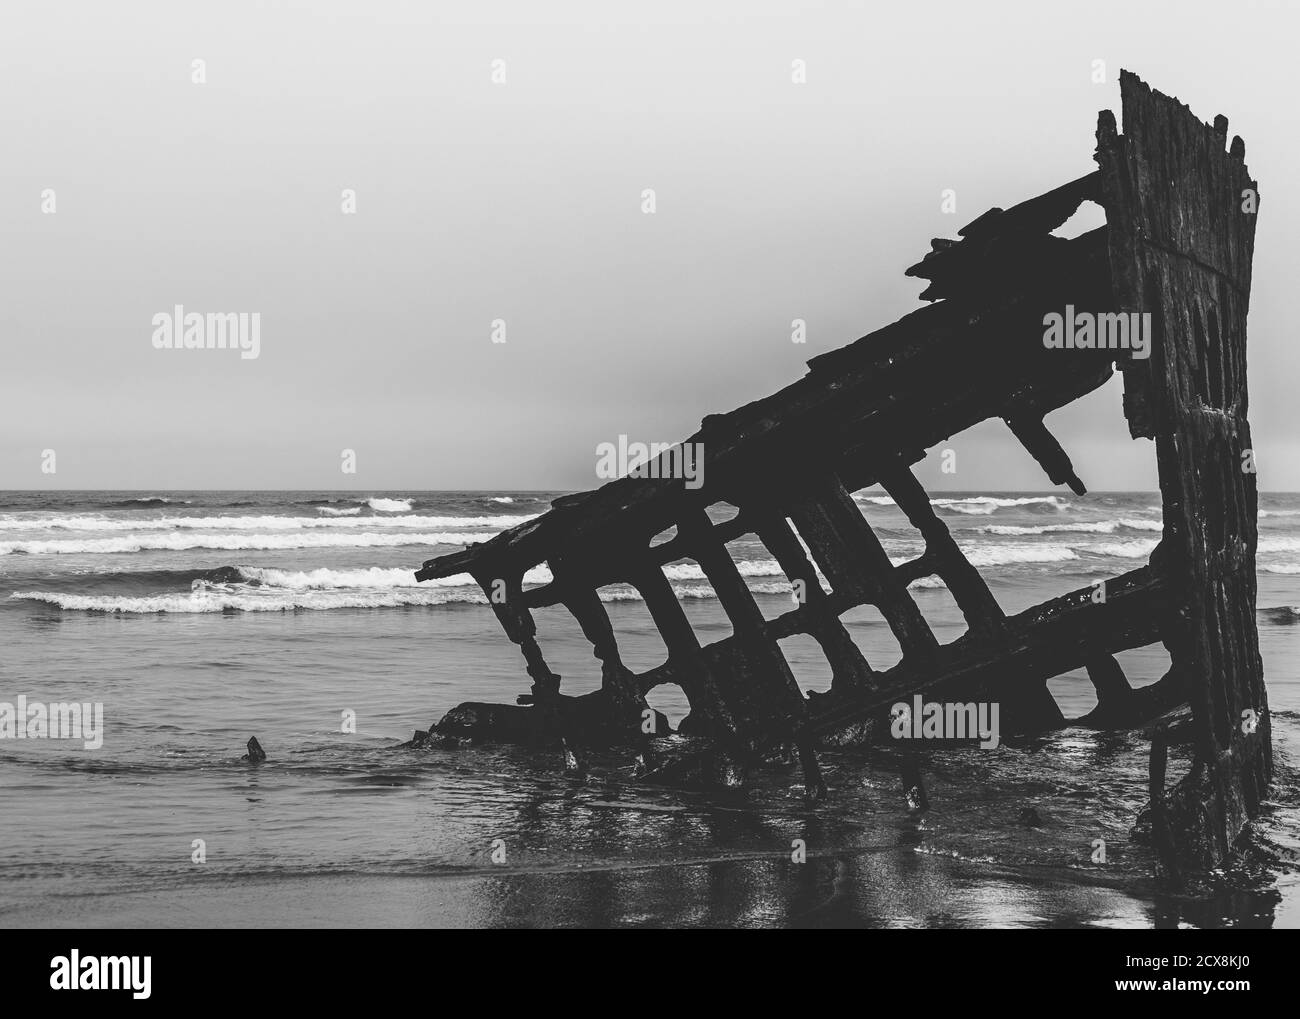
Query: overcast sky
{"x": 522, "y": 201}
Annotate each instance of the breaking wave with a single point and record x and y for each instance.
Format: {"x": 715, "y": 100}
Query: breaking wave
{"x": 208, "y": 600}
{"x": 1082, "y": 527}
{"x": 1139, "y": 548}
{"x": 148, "y": 500}
{"x": 229, "y": 542}
{"x": 978, "y": 505}
{"x": 1007, "y": 555}
{"x": 264, "y": 591}
{"x": 986, "y": 505}
{"x": 389, "y": 505}
{"x": 747, "y": 568}
{"x": 335, "y": 518}
{"x": 331, "y": 580}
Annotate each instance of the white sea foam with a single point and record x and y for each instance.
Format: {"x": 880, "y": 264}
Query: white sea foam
{"x": 375, "y": 577}
{"x": 264, "y": 589}
{"x": 1081, "y": 527}
{"x": 389, "y": 505}
{"x": 986, "y": 505}
{"x": 368, "y": 590}
{"x": 1138, "y": 548}
{"x": 978, "y": 505}
{"x": 1133, "y": 524}
{"x": 344, "y": 511}
{"x": 746, "y": 568}
{"x": 928, "y": 582}
{"x": 1027, "y": 500}
{"x": 230, "y": 542}
{"x": 1141, "y": 547}
{"x": 248, "y": 600}
{"x": 1007, "y": 555}
{"x": 92, "y": 524}
{"x": 990, "y": 555}
{"x": 331, "y": 580}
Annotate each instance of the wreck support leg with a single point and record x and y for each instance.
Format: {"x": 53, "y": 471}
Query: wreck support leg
{"x": 625, "y": 701}
{"x": 849, "y": 669}
{"x": 769, "y": 684}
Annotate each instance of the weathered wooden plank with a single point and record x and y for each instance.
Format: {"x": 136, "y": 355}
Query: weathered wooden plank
{"x": 970, "y": 592}
{"x": 617, "y": 682}
{"x": 1043, "y": 447}
{"x": 748, "y": 673}
{"x": 851, "y": 556}
{"x": 1181, "y": 246}
{"x": 1050, "y": 639}
{"x": 849, "y": 669}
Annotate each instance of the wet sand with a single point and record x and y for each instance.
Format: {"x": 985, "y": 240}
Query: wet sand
{"x": 889, "y": 889}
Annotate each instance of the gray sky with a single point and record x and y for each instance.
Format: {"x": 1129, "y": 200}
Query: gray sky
{"x": 478, "y": 201}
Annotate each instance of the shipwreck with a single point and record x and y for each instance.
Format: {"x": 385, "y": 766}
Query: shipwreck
{"x": 1173, "y": 259}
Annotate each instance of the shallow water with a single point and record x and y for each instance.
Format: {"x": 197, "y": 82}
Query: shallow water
{"x": 203, "y": 620}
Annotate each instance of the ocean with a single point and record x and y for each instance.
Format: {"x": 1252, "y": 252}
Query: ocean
{"x": 199, "y": 619}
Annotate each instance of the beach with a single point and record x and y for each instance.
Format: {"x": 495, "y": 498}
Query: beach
{"x": 199, "y": 619}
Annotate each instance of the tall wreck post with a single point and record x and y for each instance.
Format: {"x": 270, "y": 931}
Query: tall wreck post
{"x": 1180, "y": 209}
{"x": 1176, "y": 246}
